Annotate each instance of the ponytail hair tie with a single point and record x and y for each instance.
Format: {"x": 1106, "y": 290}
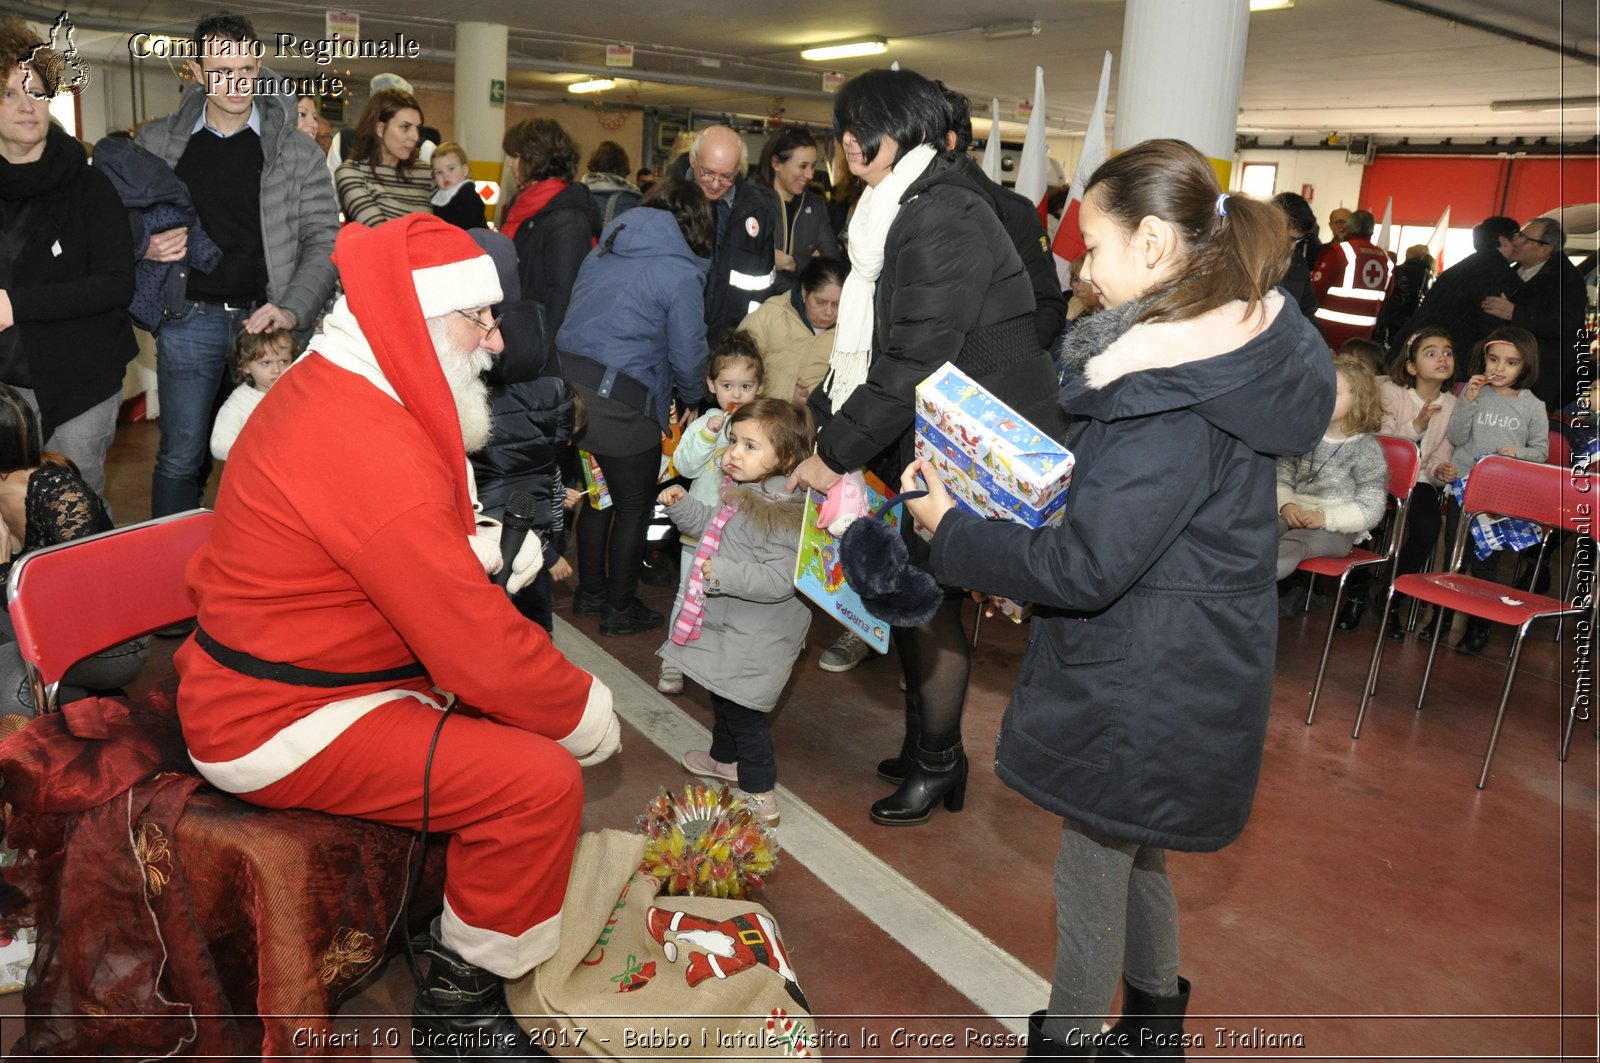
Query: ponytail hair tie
{"x": 1222, "y": 205}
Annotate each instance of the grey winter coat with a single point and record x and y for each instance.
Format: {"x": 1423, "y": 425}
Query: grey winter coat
{"x": 753, "y": 624}
{"x": 1140, "y": 709}
{"x": 299, "y": 213}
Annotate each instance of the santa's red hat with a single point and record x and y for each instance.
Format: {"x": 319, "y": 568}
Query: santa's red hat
{"x": 395, "y": 276}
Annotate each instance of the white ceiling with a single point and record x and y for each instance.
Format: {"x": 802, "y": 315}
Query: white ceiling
{"x": 1348, "y": 66}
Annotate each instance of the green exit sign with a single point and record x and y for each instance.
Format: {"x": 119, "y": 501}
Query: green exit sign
{"x": 497, "y": 92}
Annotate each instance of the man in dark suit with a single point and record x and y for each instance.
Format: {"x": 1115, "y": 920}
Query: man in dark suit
{"x": 1455, "y": 302}
{"x": 1549, "y": 303}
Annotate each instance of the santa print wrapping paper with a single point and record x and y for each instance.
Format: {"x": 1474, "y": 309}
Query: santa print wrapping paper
{"x": 990, "y": 451}
{"x": 642, "y": 976}
{"x": 993, "y": 461}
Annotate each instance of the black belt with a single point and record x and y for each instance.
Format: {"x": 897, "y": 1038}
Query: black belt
{"x": 293, "y": 674}
{"x": 607, "y": 382}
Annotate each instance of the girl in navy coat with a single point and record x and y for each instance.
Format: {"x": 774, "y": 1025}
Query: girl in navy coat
{"x": 1141, "y": 707}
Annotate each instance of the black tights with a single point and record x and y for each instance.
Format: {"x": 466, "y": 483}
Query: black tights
{"x": 611, "y": 541}
{"x": 936, "y": 659}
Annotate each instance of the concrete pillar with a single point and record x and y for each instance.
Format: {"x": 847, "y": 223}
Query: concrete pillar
{"x": 480, "y": 96}
{"x": 1180, "y": 72}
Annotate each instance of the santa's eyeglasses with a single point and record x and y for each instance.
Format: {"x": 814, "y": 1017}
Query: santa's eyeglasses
{"x": 476, "y": 317}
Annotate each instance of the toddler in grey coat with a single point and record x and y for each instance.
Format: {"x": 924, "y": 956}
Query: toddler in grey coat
{"x": 739, "y": 627}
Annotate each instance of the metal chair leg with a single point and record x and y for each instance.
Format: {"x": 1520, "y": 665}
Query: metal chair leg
{"x": 1327, "y": 645}
{"x": 1370, "y": 687}
{"x": 1433, "y": 648}
{"x": 1505, "y": 698}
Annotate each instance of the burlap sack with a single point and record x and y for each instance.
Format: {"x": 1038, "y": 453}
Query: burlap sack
{"x": 643, "y": 977}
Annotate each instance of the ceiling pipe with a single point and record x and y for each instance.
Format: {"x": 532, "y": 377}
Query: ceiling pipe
{"x": 1499, "y": 31}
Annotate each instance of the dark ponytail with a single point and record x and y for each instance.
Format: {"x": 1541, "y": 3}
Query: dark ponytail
{"x": 1234, "y": 248}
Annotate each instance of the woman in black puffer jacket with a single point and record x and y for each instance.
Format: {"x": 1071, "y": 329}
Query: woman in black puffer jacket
{"x": 949, "y": 288}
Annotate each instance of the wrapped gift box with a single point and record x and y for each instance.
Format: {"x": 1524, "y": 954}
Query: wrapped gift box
{"x": 993, "y": 459}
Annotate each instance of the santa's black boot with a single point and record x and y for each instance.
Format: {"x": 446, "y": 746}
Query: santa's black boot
{"x": 1150, "y": 1027}
{"x": 461, "y": 1013}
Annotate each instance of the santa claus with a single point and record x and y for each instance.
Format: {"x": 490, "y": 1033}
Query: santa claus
{"x": 346, "y": 622}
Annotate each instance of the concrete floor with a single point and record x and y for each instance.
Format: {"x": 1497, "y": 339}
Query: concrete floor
{"x": 1378, "y": 906}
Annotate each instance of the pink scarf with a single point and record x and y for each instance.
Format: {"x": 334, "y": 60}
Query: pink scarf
{"x": 692, "y": 613}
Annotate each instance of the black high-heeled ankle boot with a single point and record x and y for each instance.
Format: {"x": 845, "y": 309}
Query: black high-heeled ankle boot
{"x": 935, "y": 775}
{"x": 1150, "y": 1027}
{"x": 461, "y": 1012}
{"x": 895, "y": 768}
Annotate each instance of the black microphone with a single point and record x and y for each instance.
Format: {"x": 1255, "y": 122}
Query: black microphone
{"x": 515, "y": 523}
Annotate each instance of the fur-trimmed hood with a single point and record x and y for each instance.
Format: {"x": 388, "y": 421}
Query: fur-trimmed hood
{"x": 1204, "y": 364}
{"x": 769, "y": 507}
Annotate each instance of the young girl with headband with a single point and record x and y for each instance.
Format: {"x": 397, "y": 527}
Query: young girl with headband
{"x": 1495, "y": 414}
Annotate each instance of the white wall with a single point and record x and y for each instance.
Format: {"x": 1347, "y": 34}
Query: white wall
{"x": 1334, "y": 182}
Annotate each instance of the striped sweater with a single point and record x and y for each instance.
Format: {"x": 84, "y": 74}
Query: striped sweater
{"x": 372, "y": 195}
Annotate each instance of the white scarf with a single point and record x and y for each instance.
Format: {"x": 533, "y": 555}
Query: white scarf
{"x": 341, "y": 342}
{"x": 869, "y": 231}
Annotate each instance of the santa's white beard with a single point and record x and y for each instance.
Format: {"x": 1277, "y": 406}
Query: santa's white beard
{"x": 463, "y": 371}
{"x": 467, "y": 387}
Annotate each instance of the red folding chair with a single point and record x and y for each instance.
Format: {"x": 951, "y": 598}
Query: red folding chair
{"x": 1403, "y": 460}
{"x": 1499, "y": 486}
{"x": 1560, "y": 450}
{"x": 245, "y": 868}
{"x": 57, "y": 595}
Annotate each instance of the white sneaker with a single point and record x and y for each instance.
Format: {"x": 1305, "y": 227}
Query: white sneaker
{"x": 671, "y": 680}
{"x": 844, "y": 654}
{"x": 699, "y": 762}
{"x": 764, "y": 805}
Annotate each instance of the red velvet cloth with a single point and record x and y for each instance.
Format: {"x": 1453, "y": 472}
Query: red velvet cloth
{"x": 175, "y": 919}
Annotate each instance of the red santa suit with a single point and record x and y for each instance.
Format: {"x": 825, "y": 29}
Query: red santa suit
{"x": 1351, "y": 278}
{"x": 340, "y": 545}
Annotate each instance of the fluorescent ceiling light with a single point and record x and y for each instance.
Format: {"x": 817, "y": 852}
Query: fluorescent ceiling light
{"x": 592, "y": 85}
{"x": 1548, "y": 103}
{"x": 999, "y": 31}
{"x": 1270, "y": 5}
{"x": 846, "y": 49}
